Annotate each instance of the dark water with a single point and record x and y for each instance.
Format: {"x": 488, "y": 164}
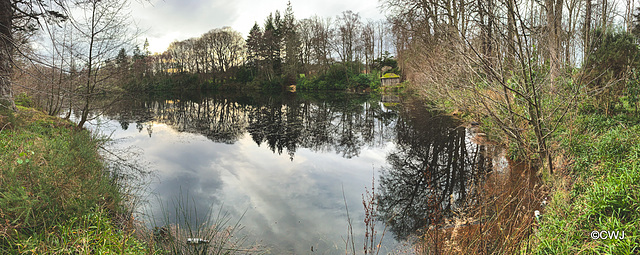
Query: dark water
{"x": 284, "y": 160}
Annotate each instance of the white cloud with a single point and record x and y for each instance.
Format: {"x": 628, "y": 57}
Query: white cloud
{"x": 165, "y": 21}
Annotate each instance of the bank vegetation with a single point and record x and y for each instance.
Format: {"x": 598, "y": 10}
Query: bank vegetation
{"x": 556, "y": 82}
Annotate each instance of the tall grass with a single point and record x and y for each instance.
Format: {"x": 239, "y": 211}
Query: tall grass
{"x": 59, "y": 195}
{"x": 601, "y": 191}
{"x": 55, "y": 191}
{"x": 182, "y": 229}
{"x": 503, "y": 217}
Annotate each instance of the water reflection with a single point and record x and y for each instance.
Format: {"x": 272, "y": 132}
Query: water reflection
{"x": 285, "y": 158}
{"x": 342, "y": 122}
{"x": 431, "y": 171}
{"x": 281, "y": 158}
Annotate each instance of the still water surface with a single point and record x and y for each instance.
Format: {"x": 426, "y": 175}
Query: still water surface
{"x": 283, "y": 160}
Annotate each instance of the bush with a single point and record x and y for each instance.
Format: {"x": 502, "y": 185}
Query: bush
{"x": 339, "y": 76}
{"x": 607, "y": 66}
{"x": 23, "y": 99}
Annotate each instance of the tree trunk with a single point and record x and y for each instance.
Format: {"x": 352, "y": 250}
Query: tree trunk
{"x": 554, "y": 18}
{"x": 90, "y": 69}
{"x": 587, "y": 30}
{"x": 511, "y": 33}
{"x": 6, "y": 51}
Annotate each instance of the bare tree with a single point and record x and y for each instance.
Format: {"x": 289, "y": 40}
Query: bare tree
{"x": 586, "y": 27}
{"x": 492, "y": 64}
{"x": 369, "y": 43}
{"x": 554, "y": 22}
{"x": 322, "y": 34}
{"x": 226, "y": 47}
{"x": 18, "y": 21}
{"x": 103, "y": 29}
{"x": 348, "y": 39}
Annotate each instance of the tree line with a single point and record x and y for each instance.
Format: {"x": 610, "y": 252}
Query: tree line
{"x": 522, "y": 66}
{"x": 278, "y": 53}
{"x": 84, "y": 51}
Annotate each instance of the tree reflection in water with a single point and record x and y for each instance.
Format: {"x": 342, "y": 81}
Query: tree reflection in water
{"x": 430, "y": 172}
{"x": 339, "y": 122}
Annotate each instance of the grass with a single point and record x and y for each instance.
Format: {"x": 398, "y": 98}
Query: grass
{"x": 599, "y": 192}
{"x": 58, "y": 195}
{"x": 596, "y": 188}
{"x": 182, "y": 230}
{"x": 55, "y": 195}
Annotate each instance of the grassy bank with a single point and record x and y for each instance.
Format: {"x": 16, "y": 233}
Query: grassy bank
{"x": 596, "y": 187}
{"x": 599, "y": 190}
{"x": 55, "y": 195}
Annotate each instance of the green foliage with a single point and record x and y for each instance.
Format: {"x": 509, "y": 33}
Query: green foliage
{"x": 23, "y": 99}
{"x": 633, "y": 91}
{"x": 390, "y": 75}
{"x": 176, "y": 82}
{"x": 386, "y": 60}
{"x": 339, "y": 77}
{"x": 245, "y": 74}
{"x": 608, "y": 65}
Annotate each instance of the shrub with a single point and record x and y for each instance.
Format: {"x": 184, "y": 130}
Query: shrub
{"x": 23, "y": 99}
{"x": 607, "y": 66}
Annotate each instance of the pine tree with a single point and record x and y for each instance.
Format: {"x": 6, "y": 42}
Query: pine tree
{"x": 254, "y": 40}
{"x": 291, "y": 43}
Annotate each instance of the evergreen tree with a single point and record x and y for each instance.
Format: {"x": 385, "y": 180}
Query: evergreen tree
{"x": 272, "y": 40}
{"x": 121, "y": 60}
{"x": 254, "y": 41}
{"x": 291, "y": 43}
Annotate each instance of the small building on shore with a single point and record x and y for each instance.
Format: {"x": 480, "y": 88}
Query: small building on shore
{"x": 389, "y": 79}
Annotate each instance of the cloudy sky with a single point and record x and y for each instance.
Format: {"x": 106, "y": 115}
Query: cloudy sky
{"x": 168, "y": 20}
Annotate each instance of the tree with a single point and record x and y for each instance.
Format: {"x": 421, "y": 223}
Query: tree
{"x": 608, "y": 67}
{"x": 322, "y": 35}
{"x": 509, "y": 67}
{"x": 348, "y": 43}
{"x": 103, "y": 28}
{"x": 272, "y": 46}
{"x": 18, "y": 17}
{"x": 291, "y": 43}
{"x": 6, "y": 52}
{"x": 306, "y": 43}
{"x": 253, "y": 43}
{"x": 369, "y": 43}
{"x": 586, "y": 28}
{"x": 226, "y": 45}
{"x": 554, "y": 22}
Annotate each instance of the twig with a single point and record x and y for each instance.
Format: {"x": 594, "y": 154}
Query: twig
{"x": 5, "y": 125}
{"x": 350, "y": 228}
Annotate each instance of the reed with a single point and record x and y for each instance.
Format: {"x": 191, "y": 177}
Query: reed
{"x": 182, "y": 229}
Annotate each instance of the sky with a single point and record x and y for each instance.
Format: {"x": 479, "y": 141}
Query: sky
{"x": 165, "y": 21}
